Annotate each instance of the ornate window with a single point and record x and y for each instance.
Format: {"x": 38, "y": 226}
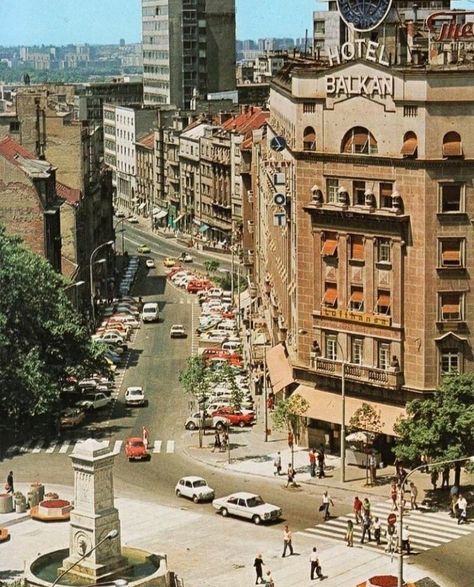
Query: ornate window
{"x": 410, "y": 145}
{"x": 359, "y": 140}
{"x": 452, "y": 146}
{"x": 449, "y": 361}
{"x": 309, "y": 139}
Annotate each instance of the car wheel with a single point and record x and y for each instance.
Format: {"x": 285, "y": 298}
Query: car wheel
{"x": 257, "y": 520}
{"x": 191, "y": 426}
{"x": 195, "y": 499}
{"x": 178, "y": 493}
{"x": 224, "y": 512}
{"x": 242, "y": 424}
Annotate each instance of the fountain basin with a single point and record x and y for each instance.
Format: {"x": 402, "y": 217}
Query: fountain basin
{"x": 146, "y": 570}
{"x": 52, "y": 510}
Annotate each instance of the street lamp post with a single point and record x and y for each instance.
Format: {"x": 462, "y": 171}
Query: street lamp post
{"x": 343, "y": 414}
{"x": 110, "y": 536}
{"x": 91, "y": 261}
{"x": 265, "y": 393}
{"x": 122, "y": 230}
{"x": 400, "y": 519}
{"x": 75, "y": 285}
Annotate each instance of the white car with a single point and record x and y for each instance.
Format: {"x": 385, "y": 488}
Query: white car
{"x": 193, "y": 422}
{"x": 196, "y": 488}
{"x": 112, "y": 337}
{"x": 214, "y": 292}
{"x": 94, "y": 401}
{"x": 186, "y": 258}
{"x": 135, "y": 396}
{"x": 219, "y": 336}
{"x": 133, "y": 220}
{"x": 178, "y": 331}
{"x": 150, "y": 312}
{"x": 150, "y": 264}
{"x": 247, "y": 505}
{"x": 178, "y": 275}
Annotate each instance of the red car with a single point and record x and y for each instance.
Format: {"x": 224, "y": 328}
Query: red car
{"x": 135, "y": 449}
{"x": 174, "y": 270}
{"x": 236, "y": 417}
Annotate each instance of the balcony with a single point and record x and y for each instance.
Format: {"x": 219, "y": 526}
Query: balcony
{"x": 391, "y": 378}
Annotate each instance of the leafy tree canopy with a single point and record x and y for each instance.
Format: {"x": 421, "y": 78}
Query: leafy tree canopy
{"x": 288, "y": 411}
{"x": 42, "y": 338}
{"x": 195, "y": 378}
{"x": 211, "y": 266}
{"x": 367, "y": 419}
{"x": 441, "y": 426}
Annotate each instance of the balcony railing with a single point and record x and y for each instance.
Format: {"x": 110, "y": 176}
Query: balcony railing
{"x": 389, "y": 378}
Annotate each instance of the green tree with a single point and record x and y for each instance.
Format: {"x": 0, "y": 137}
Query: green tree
{"x": 196, "y": 380}
{"x": 42, "y": 338}
{"x": 211, "y": 266}
{"x": 441, "y": 426}
{"x": 226, "y": 375}
{"x": 367, "y": 419}
{"x": 288, "y": 413}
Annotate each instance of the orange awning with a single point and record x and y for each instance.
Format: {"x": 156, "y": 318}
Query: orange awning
{"x": 452, "y": 148}
{"x": 451, "y": 256}
{"x": 409, "y": 147}
{"x": 357, "y": 296}
{"x": 357, "y": 247}
{"x": 450, "y": 308}
{"x": 279, "y": 368}
{"x": 384, "y": 299}
{"x": 330, "y": 296}
{"x": 329, "y": 247}
{"x": 327, "y": 407}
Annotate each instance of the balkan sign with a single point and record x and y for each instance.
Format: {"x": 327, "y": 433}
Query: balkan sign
{"x": 363, "y": 15}
{"x": 362, "y": 85}
{"x": 444, "y": 26}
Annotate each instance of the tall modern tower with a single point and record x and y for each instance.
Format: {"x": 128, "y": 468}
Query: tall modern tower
{"x": 188, "y": 49}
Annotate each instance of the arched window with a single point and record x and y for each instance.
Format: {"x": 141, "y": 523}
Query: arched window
{"x": 309, "y": 139}
{"x": 359, "y": 140}
{"x": 410, "y": 145}
{"x": 452, "y": 146}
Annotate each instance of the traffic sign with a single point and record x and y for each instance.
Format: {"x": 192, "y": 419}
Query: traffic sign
{"x": 391, "y": 519}
{"x": 278, "y": 144}
{"x": 279, "y": 199}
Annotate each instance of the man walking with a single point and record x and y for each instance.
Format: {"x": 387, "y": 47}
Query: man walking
{"x": 315, "y": 566}
{"x": 366, "y": 527}
{"x": 372, "y": 468}
{"x": 312, "y": 463}
{"x": 217, "y": 442}
{"x": 461, "y": 504}
{"x": 277, "y": 464}
{"x": 357, "y": 509}
{"x": 406, "y": 539}
{"x": 287, "y": 542}
{"x": 290, "y": 476}
{"x": 9, "y": 484}
{"x": 320, "y": 458}
{"x": 413, "y": 496}
{"x": 327, "y": 501}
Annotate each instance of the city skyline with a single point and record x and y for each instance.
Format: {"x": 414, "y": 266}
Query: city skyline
{"x": 60, "y": 22}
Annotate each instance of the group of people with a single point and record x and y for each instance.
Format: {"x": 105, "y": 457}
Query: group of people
{"x": 398, "y": 492}
{"x": 317, "y": 462}
{"x": 220, "y": 442}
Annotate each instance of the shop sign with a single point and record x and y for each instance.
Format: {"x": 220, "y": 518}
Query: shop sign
{"x": 444, "y": 26}
{"x": 374, "y": 319}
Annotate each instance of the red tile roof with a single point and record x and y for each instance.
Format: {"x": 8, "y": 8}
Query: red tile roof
{"x": 247, "y": 121}
{"x": 10, "y": 149}
{"x": 147, "y": 140}
{"x": 71, "y": 195}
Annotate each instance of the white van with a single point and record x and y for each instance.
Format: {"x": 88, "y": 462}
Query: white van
{"x": 150, "y": 312}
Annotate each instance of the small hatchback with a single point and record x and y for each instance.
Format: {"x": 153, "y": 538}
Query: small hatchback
{"x": 195, "y": 488}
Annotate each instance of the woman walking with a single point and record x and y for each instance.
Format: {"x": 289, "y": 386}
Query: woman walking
{"x": 350, "y": 533}
{"x": 258, "y": 564}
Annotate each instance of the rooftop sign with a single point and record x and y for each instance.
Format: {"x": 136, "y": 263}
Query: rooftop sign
{"x": 444, "y": 26}
{"x": 363, "y": 15}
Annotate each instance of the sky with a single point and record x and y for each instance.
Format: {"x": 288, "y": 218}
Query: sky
{"x": 59, "y": 22}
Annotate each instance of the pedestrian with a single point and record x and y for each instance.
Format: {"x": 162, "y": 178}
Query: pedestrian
{"x": 372, "y": 467}
{"x": 277, "y": 464}
{"x": 461, "y": 504}
{"x": 401, "y": 496}
{"x": 398, "y": 466}
{"x": 394, "y": 495}
{"x": 320, "y": 458}
{"x": 366, "y": 506}
{"x": 357, "y": 509}
{"x": 225, "y": 441}
{"x": 445, "y": 478}
{"x": 406, "y": 539}
{"x": 258, "y": 564}
{"x": 290, "y": 475}
{"x": 287, "y": 541}
{"x": 377, "y": 528}
{"x": 269, "y": 579}
{"x": 391, "y": 538}
{"x": 9, "y": 484}
{"x": 315, "y": 566}
{"x": 366, "y": 527}
{"x": 327, "y": 501}
{"x": 350, "y": 533}
{"x": 413, "y": 496}
{"x": 146, "y": 437}
{"x": 453, "y": 492}
{"x": 217, "y": 441}
{"x": 312, "y": 463}
{"x": 434, "y": 478}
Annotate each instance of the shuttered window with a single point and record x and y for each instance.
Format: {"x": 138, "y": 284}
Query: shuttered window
{"x": 357, "y": 247}
{"x": 383, "y": 302}
{"x": 330, "y": 295}
{"x": 357, "y": 299}
{"x": 452, "y": 253}
{"x": 452, "y": 146}
{"x": 330, "y": 245}
{"x": 451, "y": 306}
{"x": 410, "y": 145}
{"x": 359, "y": 140}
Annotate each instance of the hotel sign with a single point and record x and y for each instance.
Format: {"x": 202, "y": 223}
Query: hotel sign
{"x": 350, "y": 316}
{"x": 444, "y": 26}
{"x": 361, "y": 85}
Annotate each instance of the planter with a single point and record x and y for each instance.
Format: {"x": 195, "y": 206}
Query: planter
{"x": 6, "y": 503}
{"x": 39, "y": 488}
{"x": 32, "y": 499}
{"x": 20, "y": 503}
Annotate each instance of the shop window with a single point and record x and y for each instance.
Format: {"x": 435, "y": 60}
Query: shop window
{"x": 384, "y": 250}
{"x": 358, "y": 190}
{"x": 357, "y": 247}
{"x": 451, "y": 307}
{"x": 330, "y": 295}
{"x": 383, "y": 355}
{"x": 332, "y": 189}
{"x": 357, "y": 351}
{"x": 449, "y": 361}
{"x": 386, "y": 191}
{"x": 329, "y": 247}
{"x": 383, "y": 302}
{"x": 452, "y": 145}
{"x": 356, "y": 301}
{"x": 410, "y": 145}
{"x": 309, "y": 139}
{"x": 451, "y": 252}
{"x": 359, "y": 140}
{"x": 331, "y": 347}
{"x": 451, "y": 198}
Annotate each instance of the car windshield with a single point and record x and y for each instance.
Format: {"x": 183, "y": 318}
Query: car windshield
{"x": 134, "y": 392}
{"x": 199, "y": 483}
{"x": 253, "y": 502}
{"x": 136, "y": 444}
{"x": 149, "y": 310}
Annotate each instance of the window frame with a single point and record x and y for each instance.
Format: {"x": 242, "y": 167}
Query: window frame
{"x": 332, "y": 188}
{"x": 378, "y": 307}
{"x": 450, "y": 354}
{"x": 355, "y": 192}
{"x": 357, "y": 341}
{"x": 384, "y": 244}
{"x": 442, "y": 195}
{"x": 461, "y": 249}
{"x": 330, "y": 346}
{"x": 384, "y": 199}
{"x": 356, "y": 306}
{"x": 442, "y": 302}
{"x": 383, "y": 349}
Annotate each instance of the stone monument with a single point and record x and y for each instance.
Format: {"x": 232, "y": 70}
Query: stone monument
{"x": 94, "y": 515}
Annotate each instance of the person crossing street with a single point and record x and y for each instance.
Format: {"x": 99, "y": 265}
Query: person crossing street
{"x": 287, "y": 541}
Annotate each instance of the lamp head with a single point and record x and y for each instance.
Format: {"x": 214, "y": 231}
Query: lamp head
{"x": 112, "y": 534}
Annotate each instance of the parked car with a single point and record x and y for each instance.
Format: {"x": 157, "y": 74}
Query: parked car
{"x": 135, "y": 449}
{"x": 124, "y": 308}
{"x": 232, "y": 346}
{"x": 195, "y": 488}
{"x": 112, "y": 337}
{"x": 193, "y": 422}
{"x": 143, "y": 249}
{"x": 126, "y": 319}
{"x": 247, "y": 505}
{"x": 119, "y": 214}
{"x": 135, "y": 396}
{"x": 236, "y": 417}
{"x": 150, "y": 264}
{"x": 169, "y": 262}
{"x": 218, "y": 336}
{"x": 71, "y": 417}
{"x": 215, "y": 292}
{"x": 133, "y": 219}
{"x": 94, "y": 401}
{"x": 150, "y": 312}
{"x": 197, "y": 285}
{"x": 178, "y": 331}
{"x": 186, "y": 258}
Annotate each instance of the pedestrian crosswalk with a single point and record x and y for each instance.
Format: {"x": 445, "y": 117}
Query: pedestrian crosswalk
{"x": 426, "y": 529}
{"x": 65, "y": 447}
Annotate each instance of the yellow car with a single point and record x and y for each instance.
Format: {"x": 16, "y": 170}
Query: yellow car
{"x": 169, "y": 262}
{"x": 143, "y": 249}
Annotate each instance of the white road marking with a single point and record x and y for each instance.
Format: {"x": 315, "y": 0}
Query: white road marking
{"x": 38, "y": 447}
{"x": 170, "y": 446}
{"x": 51, "y": 447}
{"x": 65, "y": 446}
{"x": 157, "y": 446}
{"x": 117, "y": 446}
{"x": 26, "y": 446}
